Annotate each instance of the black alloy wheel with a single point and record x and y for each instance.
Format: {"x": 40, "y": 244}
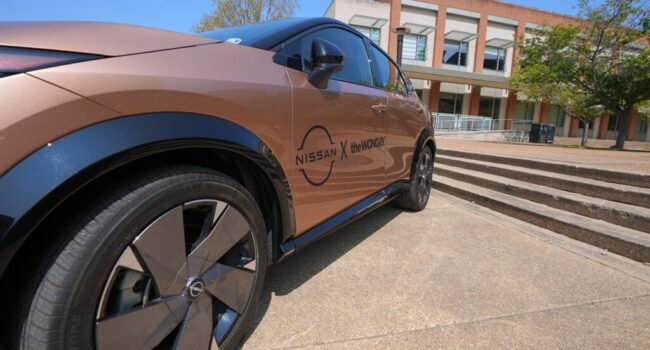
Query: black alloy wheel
{"x": 424, "y": 177}
{"x": 417, "y": 196}
{"x": 173, "y": 259}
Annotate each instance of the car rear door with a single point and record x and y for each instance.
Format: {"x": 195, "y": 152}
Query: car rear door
{"x": 338, "y": 140}
{"x": 404, "y": 120}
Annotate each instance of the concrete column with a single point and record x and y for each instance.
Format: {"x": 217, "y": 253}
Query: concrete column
{"x": 465, "y": 106}
{"x": 434, "y": 97}
{"x": 479, "y": 54}
{"x": 502, "y": 113}
{"x": 634, "y": 116}
{"x": 537, "y": 111}
{"x": 573, "y": 128}
{"x": 544, "y": 109}
{"x": 602, "y": 128}
{"x": 567, "y": 126}
{"x": 474, "y": 100}
{"x": 395, "y": 17}
{"x": 596, "y": 128}
{"x": 439, "y": 43}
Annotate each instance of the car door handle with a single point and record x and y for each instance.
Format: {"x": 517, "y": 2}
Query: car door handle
{"x": 379, "y": 108}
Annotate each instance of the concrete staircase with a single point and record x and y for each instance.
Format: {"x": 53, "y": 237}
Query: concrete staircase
{"x": 608, "y": 209}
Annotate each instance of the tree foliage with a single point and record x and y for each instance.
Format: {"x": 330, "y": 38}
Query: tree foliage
{"x": 602, "y": 63}
{"x": 229, "y": 13}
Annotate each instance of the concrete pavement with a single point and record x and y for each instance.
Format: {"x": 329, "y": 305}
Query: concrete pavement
{"x": 453, "y": 276}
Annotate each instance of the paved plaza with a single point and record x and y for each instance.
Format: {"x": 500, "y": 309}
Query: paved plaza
{"x": 455, "y": 275}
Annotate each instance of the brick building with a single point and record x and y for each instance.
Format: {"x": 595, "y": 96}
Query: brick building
{"x": 459, "y": 54}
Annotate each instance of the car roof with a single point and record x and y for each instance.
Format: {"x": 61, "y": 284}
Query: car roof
{"x": 267, "y": 35}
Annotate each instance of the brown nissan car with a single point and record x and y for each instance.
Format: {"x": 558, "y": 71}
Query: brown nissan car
{"x": 148, "y": 178}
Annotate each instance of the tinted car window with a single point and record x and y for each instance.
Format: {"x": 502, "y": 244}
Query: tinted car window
{"x": 387, "y": 75}
{"x": 356, "y": 68}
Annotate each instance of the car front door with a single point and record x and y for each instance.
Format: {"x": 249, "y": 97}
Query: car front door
{"x": 404, "y": 120}
{"x": 338, "y": 140}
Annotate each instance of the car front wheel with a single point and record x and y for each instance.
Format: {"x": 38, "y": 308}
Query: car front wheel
{"x": 173, "y": 258}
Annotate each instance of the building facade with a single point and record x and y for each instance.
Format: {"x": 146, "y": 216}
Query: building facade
{"x": 459, "y": 54}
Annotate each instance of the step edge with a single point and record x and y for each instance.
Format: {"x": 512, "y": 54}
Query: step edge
{"x": 627, "y": 234}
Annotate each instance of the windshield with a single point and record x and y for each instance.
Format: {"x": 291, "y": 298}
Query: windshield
{"x": 244, "y": 35}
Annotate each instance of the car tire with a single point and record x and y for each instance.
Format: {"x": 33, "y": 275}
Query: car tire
{"x": 417, "y": 195}
{"x": 173, "y": 257}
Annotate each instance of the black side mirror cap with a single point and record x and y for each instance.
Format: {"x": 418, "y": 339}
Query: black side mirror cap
{"x": 327, "y": 59}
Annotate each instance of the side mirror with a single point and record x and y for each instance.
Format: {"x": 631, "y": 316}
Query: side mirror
{"x": 327, "y": 59}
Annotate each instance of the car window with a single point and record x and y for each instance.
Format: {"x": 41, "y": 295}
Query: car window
{"x": 356, "y": 68}
{"x": 387, "y": 75}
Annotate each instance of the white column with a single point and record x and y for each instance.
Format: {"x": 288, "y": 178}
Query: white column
{"x": 537, "y": 112}
{"x": 465, "y": 109}
{"x": 567, "y": 126}
{"x": 502, "y": 113}
{"x": 596, "y": 126}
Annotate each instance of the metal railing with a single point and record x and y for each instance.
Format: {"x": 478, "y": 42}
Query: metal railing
{"x": 461, "y": 122}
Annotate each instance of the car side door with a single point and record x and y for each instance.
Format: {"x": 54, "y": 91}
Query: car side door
{"x": 405, "y": 119}
{"x": 338, "y": 139}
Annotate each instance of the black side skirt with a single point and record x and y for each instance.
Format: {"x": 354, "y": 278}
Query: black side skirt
{"x": 343, "y": 218}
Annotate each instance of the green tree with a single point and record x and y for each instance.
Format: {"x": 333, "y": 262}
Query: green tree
{"x": 600, "y": 63}
{"x": 229, "y": 13}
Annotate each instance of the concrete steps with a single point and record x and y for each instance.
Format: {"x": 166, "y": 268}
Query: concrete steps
{"x": 632, "y": 195}
{"x": 606, "y": 214}
{"x": 639, "y": 180}
{"x": 630, "y": 216}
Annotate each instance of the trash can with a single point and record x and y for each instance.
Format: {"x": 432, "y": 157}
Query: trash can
{"x": 542, "y": 133}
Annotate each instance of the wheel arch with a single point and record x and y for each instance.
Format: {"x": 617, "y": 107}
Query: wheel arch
{"x": 425, "y": 139}
{"x": 40, "y": 184}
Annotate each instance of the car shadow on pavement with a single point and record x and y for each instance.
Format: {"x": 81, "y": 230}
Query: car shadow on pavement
{"x": 284, "y": 277}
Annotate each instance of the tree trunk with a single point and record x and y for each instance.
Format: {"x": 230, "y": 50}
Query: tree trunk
{"x": 623, "y": 125}
{"x": 585, "y": 133}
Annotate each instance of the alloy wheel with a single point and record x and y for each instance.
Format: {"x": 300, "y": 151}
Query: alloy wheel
{"x": 424, "y": 176}
{"x": 183, "y": 283}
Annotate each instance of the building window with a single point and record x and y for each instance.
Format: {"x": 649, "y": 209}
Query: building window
{"x": 495, "y": 59}
{"x": 525, "y": 110}
{"x": 489, "y": 107}
{"x": 414, "y": 47}
{"x": 373, "y": 34}
{"x": 455, "y": 53}
{"x": 556, "y": 116}
{"x": 450, "y": 103}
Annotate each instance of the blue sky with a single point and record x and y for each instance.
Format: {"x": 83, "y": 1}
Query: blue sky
{"x": 170, "y": 14}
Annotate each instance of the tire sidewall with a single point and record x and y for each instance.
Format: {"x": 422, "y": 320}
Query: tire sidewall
{"x": 106, "y": 236}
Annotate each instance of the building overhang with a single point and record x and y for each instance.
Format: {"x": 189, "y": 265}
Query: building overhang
{"x": 419, "y": 29}
{"x": 457, "y": 77}
{"x": 367, "y": 21}
{"x": 459, "y": 35}
{"x": 498, "y": 42}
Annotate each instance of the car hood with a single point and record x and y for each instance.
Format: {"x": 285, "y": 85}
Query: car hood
{"x": 106, "y": 39}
